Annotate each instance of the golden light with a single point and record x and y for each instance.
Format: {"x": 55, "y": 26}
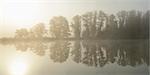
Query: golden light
{"x": 18, "y": 66}
{"x": 26, "y": 13}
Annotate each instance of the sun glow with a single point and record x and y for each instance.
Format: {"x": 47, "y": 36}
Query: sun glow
{"x": 26, "y": 13}
{"x": 18, "y": 67}
{"x": 16, "y": 14}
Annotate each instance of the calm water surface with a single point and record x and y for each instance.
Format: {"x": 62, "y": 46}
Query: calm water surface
{"x": 106, "y": 57}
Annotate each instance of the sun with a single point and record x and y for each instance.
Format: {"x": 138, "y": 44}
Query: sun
{"x": 18, "y": 67}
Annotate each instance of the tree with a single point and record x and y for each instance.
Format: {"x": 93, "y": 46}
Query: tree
{"x": 122, "y": 18}
{"x": 76, "y": 26}
{"x": 21, "y": 33}
{"x": 38, "y": 30}
{"x": 93, "y": 25}
{"x": 111, "y": 27}
{"x": 87, "y": 21}
{"x": 100, "y": 23}
{"x": 133, "y": 25}
{"x": 59, "y": 27}
{"x": 122, "y": 21}
{"x": 145, "y": 25}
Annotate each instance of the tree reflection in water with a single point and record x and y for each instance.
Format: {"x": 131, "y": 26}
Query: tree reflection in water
{"x": 59, "y": 51}
{"x": 76, "y": 52}
{"x": 36, "y": 47}
{"x": 92, "y": 53}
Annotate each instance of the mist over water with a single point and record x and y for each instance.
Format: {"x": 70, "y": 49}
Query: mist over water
{"x": 127, "y": 57}
{"x": 74, "y": 37}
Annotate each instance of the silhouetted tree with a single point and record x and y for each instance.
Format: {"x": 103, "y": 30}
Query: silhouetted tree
{"x": 101, "y": 19}
{"x": 38, "y": 31}
{"x": 122, "y": 21}
{"x": 21, "y": 33}
{"x": 59, "y": 27}
{"x": 76, "y": 26}
{"x": 93, "y": 23}
{"x": 131, "y": 25}
{"x": 86, "y": 20}
{"x": 111, "y": 27}
{"x": 145, "y": 25}
{"x": 89, "y": 20}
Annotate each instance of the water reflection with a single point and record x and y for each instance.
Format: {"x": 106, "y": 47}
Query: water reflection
{"x": 18, "y": 66}
{"x": 59, "y": 51}
{"x": 36, "y": 47}
{"x": 92, "y": 53}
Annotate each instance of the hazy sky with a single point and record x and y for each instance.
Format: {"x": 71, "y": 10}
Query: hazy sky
{"x": 16, "y": 14}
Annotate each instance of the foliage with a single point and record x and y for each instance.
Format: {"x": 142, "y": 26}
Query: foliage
{"x": 94, "y": 25}
{"x": 59, "y": 27}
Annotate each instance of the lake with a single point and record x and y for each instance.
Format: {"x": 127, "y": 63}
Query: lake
{"x": 81, "y": 57}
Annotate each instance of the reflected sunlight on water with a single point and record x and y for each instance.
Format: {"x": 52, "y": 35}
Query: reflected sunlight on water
{"x": 18, "y": 66}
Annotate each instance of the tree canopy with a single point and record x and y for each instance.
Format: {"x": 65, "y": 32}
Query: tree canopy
{"x": 93, "y": 25}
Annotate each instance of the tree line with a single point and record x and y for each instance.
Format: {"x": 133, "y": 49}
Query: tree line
{"x": 92, "y": 25}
